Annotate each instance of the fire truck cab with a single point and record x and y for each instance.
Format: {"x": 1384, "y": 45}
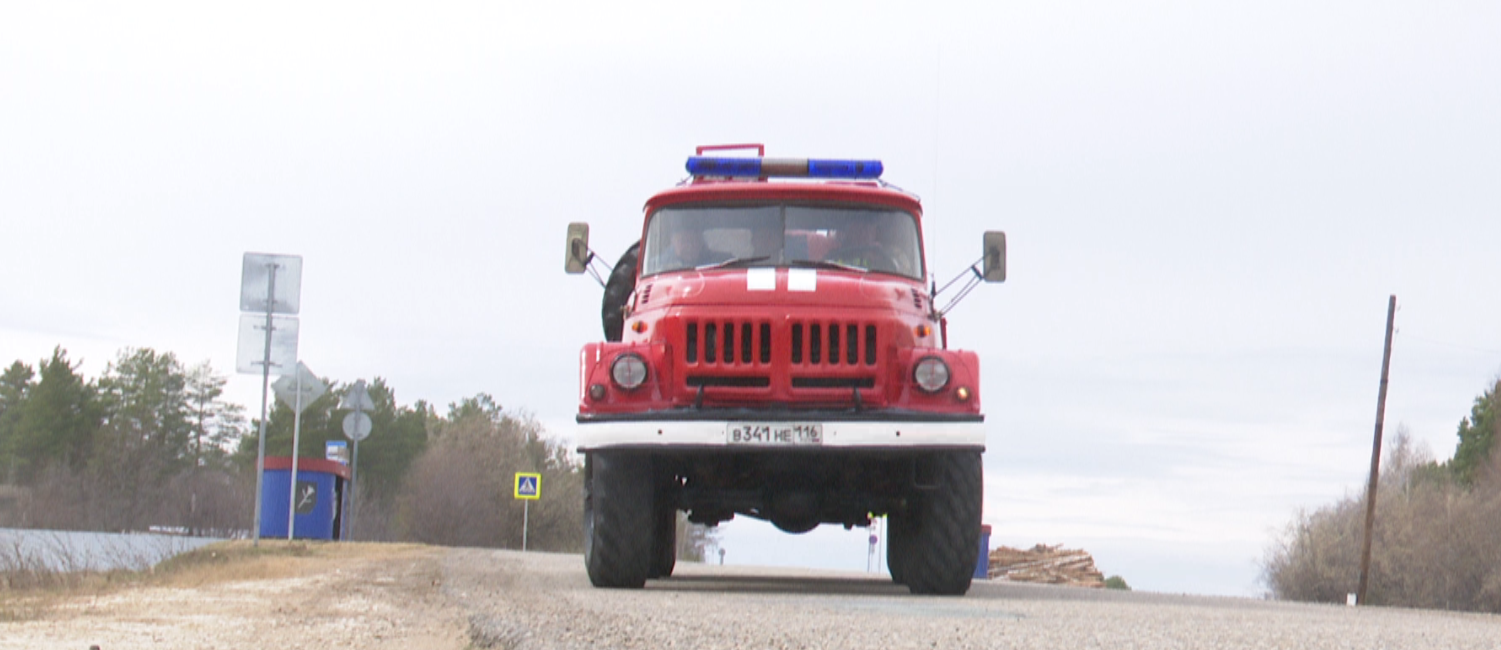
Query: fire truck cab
{"x": 772, "y": 350}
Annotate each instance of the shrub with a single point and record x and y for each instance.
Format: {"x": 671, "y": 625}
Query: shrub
{"x": 1432, "y": 546}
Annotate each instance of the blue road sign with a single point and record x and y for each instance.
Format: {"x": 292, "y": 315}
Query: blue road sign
{"x": 528, "y": 486}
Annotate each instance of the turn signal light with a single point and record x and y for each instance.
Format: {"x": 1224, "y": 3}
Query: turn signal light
{"x": 922, "y": 331}
{"x": 962, "y": 394}
{"x": 638, "y": 327}
{"x": 596, "y": 392}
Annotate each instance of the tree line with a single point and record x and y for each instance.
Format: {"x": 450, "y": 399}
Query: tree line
{"x": 145, "y": 442}
{"x": 1434, "y": 543}
{"x": 152, "y": 443}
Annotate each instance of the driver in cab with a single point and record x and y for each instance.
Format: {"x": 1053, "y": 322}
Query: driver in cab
{"x": 860, "y": 245}
{"x": 686, "y": 250}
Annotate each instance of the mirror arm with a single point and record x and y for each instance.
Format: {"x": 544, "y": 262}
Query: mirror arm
{"x": 963, "y": 290}
{"x": 957, "y": 278}
{"x": 594, "y": 274}
{"x": 589, "y": 266}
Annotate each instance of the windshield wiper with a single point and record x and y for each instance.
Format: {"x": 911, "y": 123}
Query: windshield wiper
{"x": 734, "y": 261}
{"x": 820, "y": 264}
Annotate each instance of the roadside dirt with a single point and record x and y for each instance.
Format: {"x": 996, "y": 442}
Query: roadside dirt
{"x": 279, "y": 596}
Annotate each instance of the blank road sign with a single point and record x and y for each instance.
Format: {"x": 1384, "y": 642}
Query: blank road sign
{"x": 255, "y": 280}
{"x": 358, "y": 398}
{"x": 357, "y": 426}
{"x": 528, "y": 486}
{"x": 286, "y": 388}
{"x": 251, "y": 354}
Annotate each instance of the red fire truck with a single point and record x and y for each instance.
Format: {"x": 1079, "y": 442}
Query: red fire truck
{"x": 773, "y": 350}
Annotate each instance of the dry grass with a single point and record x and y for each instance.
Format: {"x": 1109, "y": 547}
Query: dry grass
{"x": 29, "y": 590}
{"x": 273, "y": 559}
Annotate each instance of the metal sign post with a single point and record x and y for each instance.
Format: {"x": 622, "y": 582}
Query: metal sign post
{"x": 260, "y": 439}
{"x": 296, "y": 436}
{"x": 357, "y": 427}
{"x": 297, "y": 392}
{"x": 528, "y": 489}
{"x": 256, "y": 269}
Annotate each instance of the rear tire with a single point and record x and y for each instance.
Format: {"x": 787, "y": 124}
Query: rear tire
{"x": 664, "y": 542}
{"x": 946, "y": 539}
{"x": 617, "y": 519}
{"x": 899, "y": 533}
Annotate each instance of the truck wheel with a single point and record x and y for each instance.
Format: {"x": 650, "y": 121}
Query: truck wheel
{"x": 947, "y": 536}
{"x": 617, "y": 519}
{"x": 664, "y": 553}
{"x": 899, "y": 533}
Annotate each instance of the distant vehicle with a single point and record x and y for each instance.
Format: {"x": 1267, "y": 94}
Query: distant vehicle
{"x": 773, "y": 350}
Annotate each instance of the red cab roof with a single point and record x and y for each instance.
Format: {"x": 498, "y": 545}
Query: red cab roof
{"x": 867, "y": 193}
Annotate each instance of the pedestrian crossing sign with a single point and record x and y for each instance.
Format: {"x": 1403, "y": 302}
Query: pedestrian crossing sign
{"x": 528, "y": 486}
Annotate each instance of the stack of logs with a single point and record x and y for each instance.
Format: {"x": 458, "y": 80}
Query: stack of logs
{"x": 1045, "y": 564}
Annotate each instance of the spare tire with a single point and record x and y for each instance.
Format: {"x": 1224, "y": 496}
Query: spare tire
{"x": 617, "y": 291}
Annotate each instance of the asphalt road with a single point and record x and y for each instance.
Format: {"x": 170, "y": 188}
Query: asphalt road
{"x": 538, "y": 600}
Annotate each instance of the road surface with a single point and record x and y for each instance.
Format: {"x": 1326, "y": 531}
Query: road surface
{"x": 418, "y": 598}
{"x": 545, "y": 601}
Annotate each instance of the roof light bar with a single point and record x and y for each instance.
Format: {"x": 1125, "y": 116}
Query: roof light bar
{"x": 784, "y": 167}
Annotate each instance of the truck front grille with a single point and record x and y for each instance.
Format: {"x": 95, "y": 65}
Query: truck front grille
{"x": 833, "y": 344}
{"x": 732, "y": 354}
{"x": 727, "y": 342}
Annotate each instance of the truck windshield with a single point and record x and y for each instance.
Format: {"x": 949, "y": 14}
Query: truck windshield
{"x": 858, "y": 238}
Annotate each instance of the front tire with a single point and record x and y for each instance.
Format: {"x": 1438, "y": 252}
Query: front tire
{"x": 618, "y": 519}
{"x": 946, "y": 541}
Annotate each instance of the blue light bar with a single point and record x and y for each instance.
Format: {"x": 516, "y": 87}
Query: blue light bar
{"x": 705, "y": 166}
{"x": 783, "y": 167}
{"x": 844, "y": 168}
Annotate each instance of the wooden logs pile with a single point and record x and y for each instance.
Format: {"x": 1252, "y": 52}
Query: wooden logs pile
{"x": 1045, "y": 564}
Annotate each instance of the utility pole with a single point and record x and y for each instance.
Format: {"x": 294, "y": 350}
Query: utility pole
{"x": 1370, "y": 496}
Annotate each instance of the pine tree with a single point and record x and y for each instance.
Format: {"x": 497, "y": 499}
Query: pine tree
{"x": 1477, "y": 435}
{"x": 217, "y": 424}
{"x": 57, "y": 421}
{"x": 145, "y": 394}
{"x": 15, "y": 387}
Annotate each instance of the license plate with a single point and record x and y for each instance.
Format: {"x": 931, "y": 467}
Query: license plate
{"x": 773, "y": 434}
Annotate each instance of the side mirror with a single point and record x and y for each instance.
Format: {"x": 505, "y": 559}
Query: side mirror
{"x": 577, "y": 258}
{"x": 995, "y": 256}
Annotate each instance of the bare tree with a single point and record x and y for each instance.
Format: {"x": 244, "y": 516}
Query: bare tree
{"x": 1433, "y": 545}
{"x": 460, "y": 492}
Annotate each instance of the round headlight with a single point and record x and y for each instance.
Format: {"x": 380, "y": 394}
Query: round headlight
{"x": 628, "y": 371}
{"x": 931, "y": 374}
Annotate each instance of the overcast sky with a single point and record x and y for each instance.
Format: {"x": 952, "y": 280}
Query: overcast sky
{"x": 1207, "y": 205}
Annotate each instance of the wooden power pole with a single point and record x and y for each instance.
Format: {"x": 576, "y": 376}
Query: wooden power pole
{"x": 1370, "y": 496}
